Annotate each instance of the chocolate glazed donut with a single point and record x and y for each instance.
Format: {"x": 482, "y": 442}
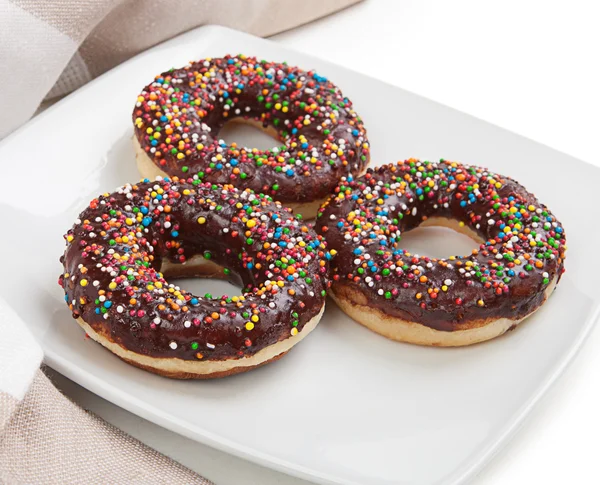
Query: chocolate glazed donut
{"x": 447, "y": 302}
{"x": 179, "y": 115}
{"x": 115, "y": 289}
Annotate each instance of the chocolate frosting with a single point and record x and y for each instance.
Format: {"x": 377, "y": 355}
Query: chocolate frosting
{"x": 178, "y": 117}
{"x": 505, "y": 277}
{"x": 114, "y": 253}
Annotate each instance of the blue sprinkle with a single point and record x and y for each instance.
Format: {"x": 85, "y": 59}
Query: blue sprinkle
{"x": 374, "y": 269}
{"x": 146, "y": 180}
{"x": 154, "y": 142}
{"x": 97, "y": 311}
{"x": 289, "y": 172}
{"x": 282, "y": 244}
{"x": 175, "y": 233}
{"x": 294, "y": 131}
{"x": 355, "y": 132}
{"x": 340, "y": 224}
{"x": 304, "y": 145}
{"x": 146, "y": 221}
{"x": 358, "y": 251}
{"x": 419, "y": 191}
{"x": 159, "y": 197}
{"x": 250, "y": 266}
{"x": 219, "y": 166}
{"x": 194, "y": 301}
{"x": 230, "y": 61}
{"x": 225, "y": 94}
{"x": 144, "y": 210}
{"x": 163, "y": 118}
{"x": 233, "y": 162}
{"x": 463, "y": 203}
{"x": 107, "y": 304}
{"x": 160, "y": 80}
{"x": 559, "y": 229}
{"x": 290, "y": 278}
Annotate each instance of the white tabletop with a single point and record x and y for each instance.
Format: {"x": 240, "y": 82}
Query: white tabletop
{"x": 530, "y": 67}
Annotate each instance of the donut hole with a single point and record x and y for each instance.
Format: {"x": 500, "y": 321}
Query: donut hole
{"x": 249, "y": 134}
{"x": 440, "y": 239}
{"x": 200, "y": 276}
{"x": 200, "y": 286}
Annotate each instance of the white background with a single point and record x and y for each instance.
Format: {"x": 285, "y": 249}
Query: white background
{"x": 532, "y": 67}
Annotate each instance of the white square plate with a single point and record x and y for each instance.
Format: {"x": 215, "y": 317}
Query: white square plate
{"x": 346, "y": 406}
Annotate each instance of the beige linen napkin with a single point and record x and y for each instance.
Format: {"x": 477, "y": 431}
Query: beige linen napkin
{"x": 47, "y": 49}
{"x": 47, "y": 439}
{"x": 51, "y": 47}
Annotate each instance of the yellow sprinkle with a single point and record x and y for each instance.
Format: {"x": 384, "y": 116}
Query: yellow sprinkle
{"x": 249, "y": 325}
{"x": 201, "y": 220}
{"x": 83, "y": 282}
{"x": 254, "y": 318}
{"x": 294, "y": 331}
{"x": 112, "y": 285}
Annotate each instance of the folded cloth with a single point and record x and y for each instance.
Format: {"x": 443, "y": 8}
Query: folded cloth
{"x": 49, "y": 48}
{"x": 47, "y": 439}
